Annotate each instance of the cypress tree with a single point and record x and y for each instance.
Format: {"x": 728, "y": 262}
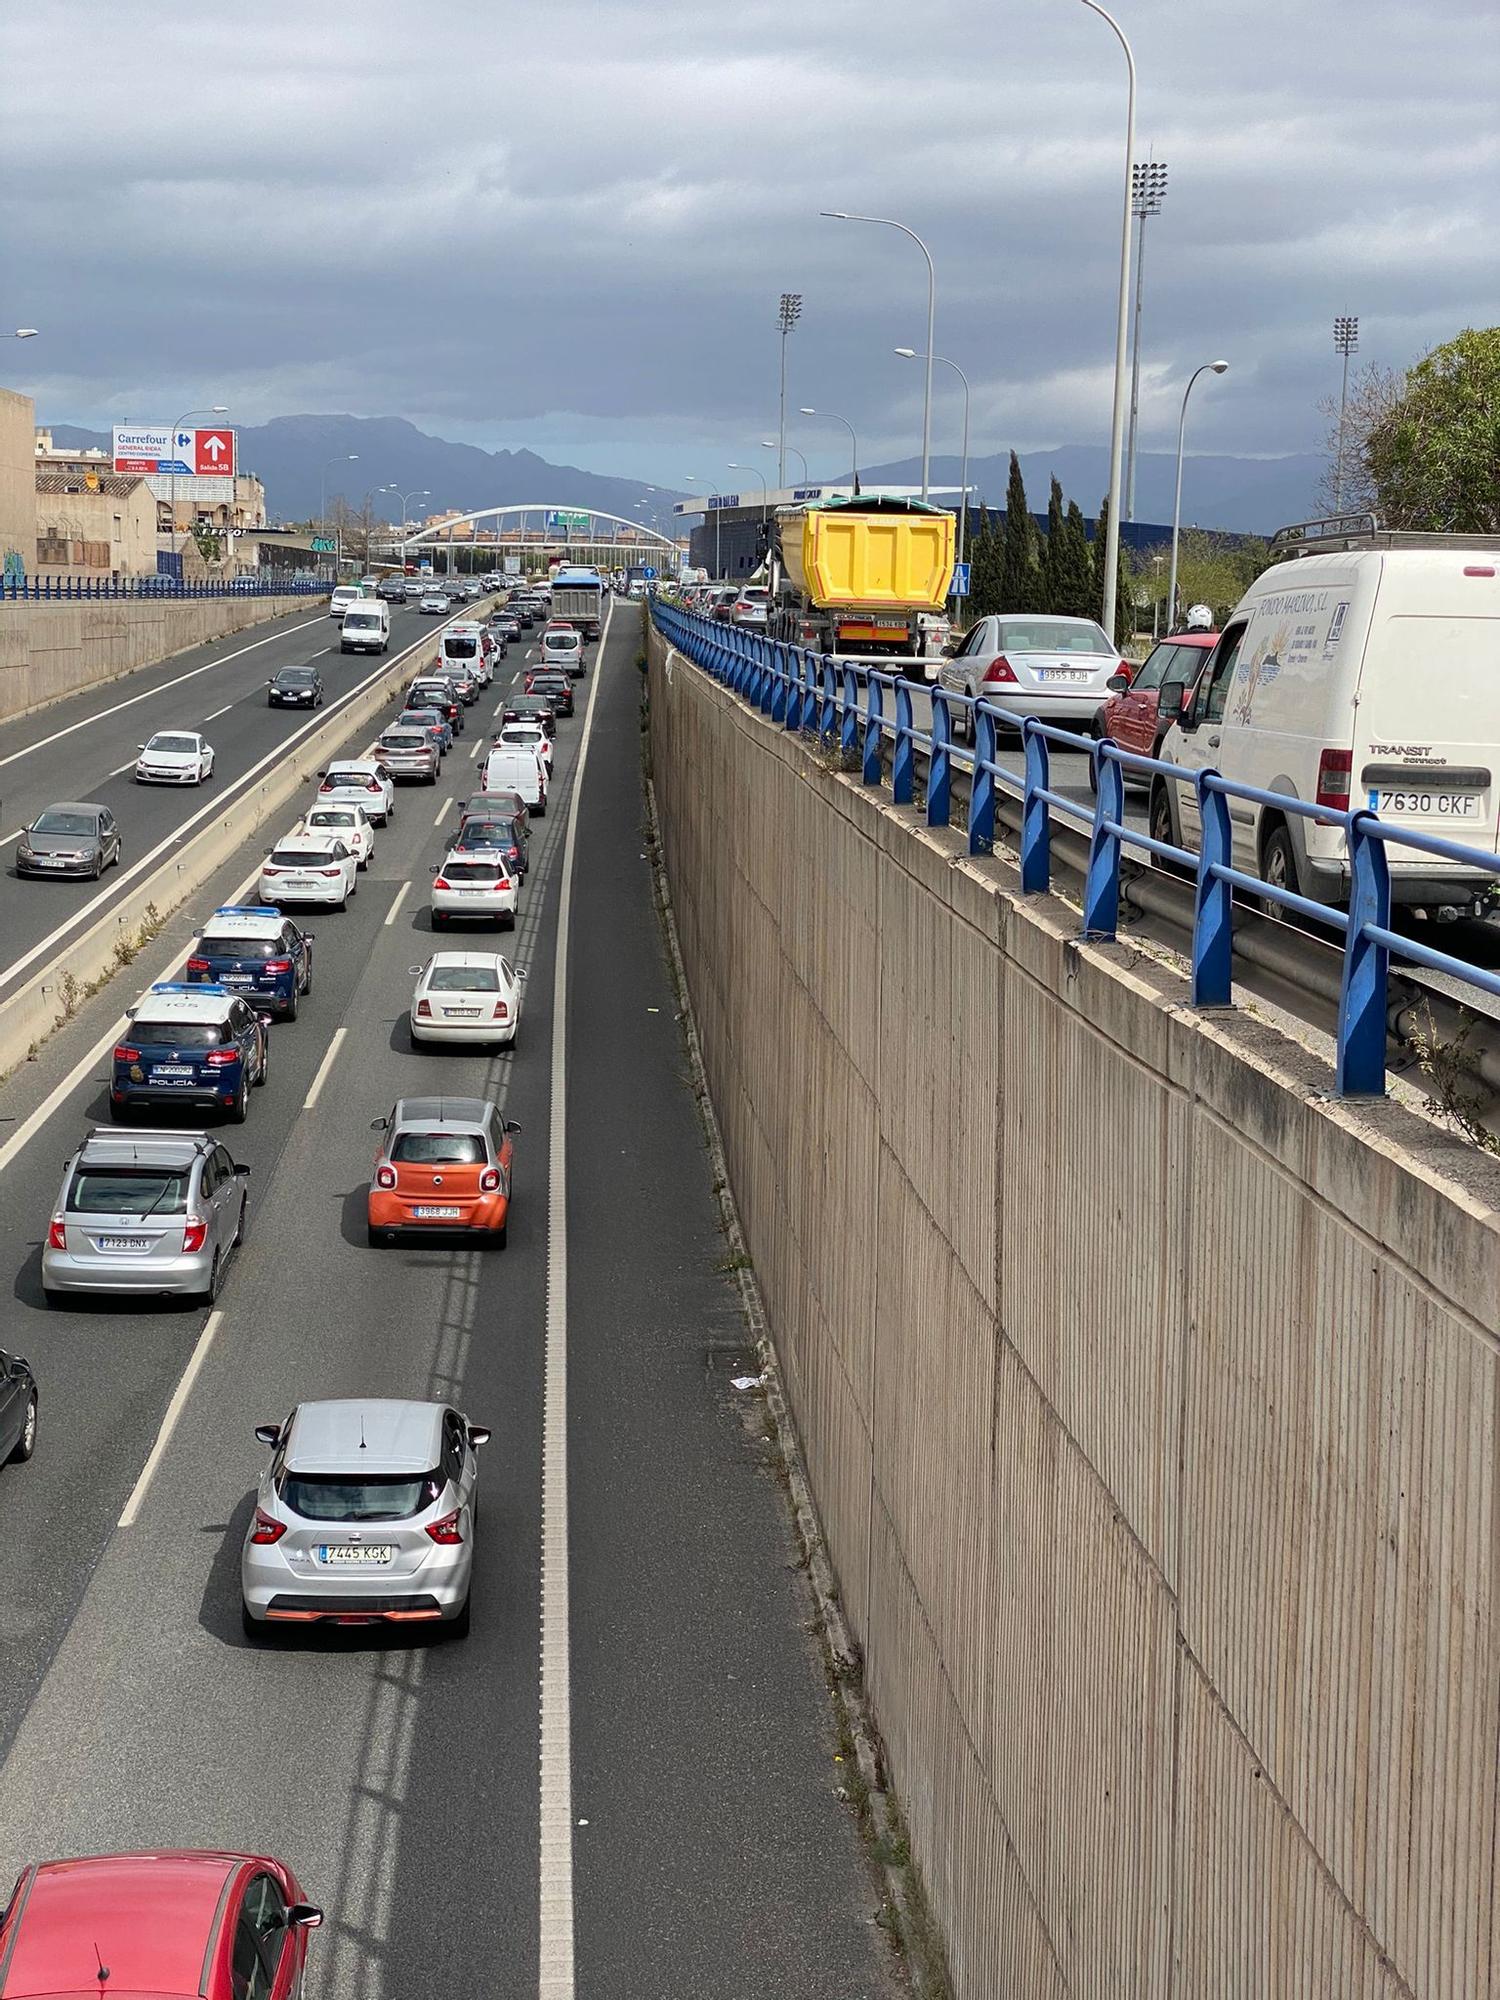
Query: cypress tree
{"x": 1055, "y": 555}
{"x": 984, "y": 570}
{"x": 1020, "y": 572}
{"x": 1076, "y": 596}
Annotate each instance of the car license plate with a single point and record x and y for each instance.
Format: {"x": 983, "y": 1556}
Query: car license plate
{"x": 123, "y": 1242}
{"x": 344, "y": 1554}
{"x": 298, "y": 882}
{"x": 1074, "y": 674}
{"x": 460, "y": 1013}
{"x": 235, "y": 978}
{"x": 50, "y": 861}
{"x": 172, "y": 1072}
{"x": 1434, "y": 805}
{"x": 431, "y": 1214}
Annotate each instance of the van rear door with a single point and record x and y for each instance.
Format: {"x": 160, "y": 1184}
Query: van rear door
{"x": 1427, "y": 730}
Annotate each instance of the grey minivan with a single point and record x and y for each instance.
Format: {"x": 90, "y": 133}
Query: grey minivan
{"x": 145, "y": 1212}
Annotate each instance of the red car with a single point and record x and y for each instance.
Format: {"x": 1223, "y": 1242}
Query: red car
{"x": 212, "y": 1926}
{"x": 1140, "y": 711}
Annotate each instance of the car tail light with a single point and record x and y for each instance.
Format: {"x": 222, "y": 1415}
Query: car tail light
{"x": 194, "y": 1234}
{"x": 441, "y": 882}
{"x": 332, "y": 874}
{"x": 1000, "y": 669}
{"x": 489, "y": 1181}
{"x": 269, "y": 870}
{"x": 372, "y": 785}
{"x": 124, "y": 1053}
{"x": 1334, "y": 771}
{"x": 385, "y": 1176}
{"x": 445, "y": 1531}
{"x": 502, "y": 1012}
{"x": 197, "y": 965}
{"x": 267, "y": 1528}
{"x": 57, "y": 1236}
{"x": 221, "y": 1058}
{"x": 424, "y": 1010}
{"x": 1125, "y": 667}
{"x": 274, "y": 964}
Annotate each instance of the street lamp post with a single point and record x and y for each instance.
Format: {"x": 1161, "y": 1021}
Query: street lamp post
{"x": 214, "y": 410}
{"x": 342, "y": 458}
{"x": 1345, "y": 341}
{"x": 911, "y": 354}
{"x": 1148, "y": 184}
{"x": 1122, "y": 321}
{"x": 1207, "y": 367}
{"x": 885, "y": 222}
{"x": 789, "y": 312}
{"x": 416, "y": 493}
{"x": 830, "y": 417}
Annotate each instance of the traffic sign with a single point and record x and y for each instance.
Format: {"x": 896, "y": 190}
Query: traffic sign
{"x": 568, "y": 517}
{"x": 648, "y": 572}
{"x": 960, "y": 580}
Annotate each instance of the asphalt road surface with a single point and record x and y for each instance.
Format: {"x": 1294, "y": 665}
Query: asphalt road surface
{"x": 712, "y": 1856}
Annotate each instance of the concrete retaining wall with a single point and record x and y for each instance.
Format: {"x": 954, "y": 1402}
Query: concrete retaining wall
{"x": 1150, "y": 1400}
{"x": 51, "y": 650}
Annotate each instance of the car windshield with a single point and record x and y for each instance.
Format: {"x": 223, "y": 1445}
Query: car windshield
{"x": 66, "y": 822}
{"x": 186, "y": 744}
{"x": 390, "y": 1496}
{"x": 475, "y": 871}
{"x": 1051, "y": 635}
{"x": 438, "y": 1149}
{"x": 129, "y": 1191}
{"x": 463, "y": 979}
{"x": 358, "y": 618}
{"x": 296, "y": 677}
{"x": 238, "y": 947}
{"x": 461, "y": 648}
{"x": 180, "y": 1034}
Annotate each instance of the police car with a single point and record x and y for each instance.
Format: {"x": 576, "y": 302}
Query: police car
{"x": 189, "y": 1045}
{"x": 253, "y": 949}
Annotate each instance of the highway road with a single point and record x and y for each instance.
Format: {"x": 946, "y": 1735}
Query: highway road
{"x": 711, "y": 1854}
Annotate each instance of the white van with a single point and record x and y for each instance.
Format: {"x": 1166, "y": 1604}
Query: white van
{"x": 510, "y": 768}
{"x": 366, "y": 627}
{"x": 343, "y": 597}
{"x": 1361, "y": 677}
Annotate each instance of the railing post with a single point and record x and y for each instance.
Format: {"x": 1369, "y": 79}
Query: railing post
{"x": 874, "y": 730}
{"x": 904, "y": 762}
{"x": 1213, "y": 903}
{"x": 1036, "y": 829}
{"x": 1362, "y": 995}
{"x": 849, "y": 720}
{"x": 828, "y": 706}
{"x": 1101, "y": 889}
{"x": 940, "y": 768}
{"x": 982, "y": 788}
{"x": 780, "y": 687}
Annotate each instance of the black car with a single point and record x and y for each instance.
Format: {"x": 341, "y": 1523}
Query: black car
{"x": 555, "y": 688}
{"x": 529, "y": 708}
{"x": 295, "y": 687}
{"x": 69, "y": 839}
{"x": 510, "y": 837}
{"x": 392, "y": 589}
{"x": 525, "y": 614}
{"x": 17, "y": 1409}
{"x": 431, "y": 692}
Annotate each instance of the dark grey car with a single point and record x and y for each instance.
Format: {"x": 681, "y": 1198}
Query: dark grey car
{"x": 69, "y": 839}
{"x": 17, "y": 1409}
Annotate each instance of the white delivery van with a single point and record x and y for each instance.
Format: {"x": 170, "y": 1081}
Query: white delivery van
{"x": 512, "y": 768}
{"x": 366, "y": 627}
{"x": 343, "y": 597}
{"x": 1364, "y": 676}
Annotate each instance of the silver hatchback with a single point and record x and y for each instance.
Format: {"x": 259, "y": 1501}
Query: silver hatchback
{"x": 364, "y": 1516}
{"x": 409, "y": 753}
{"x": 145, "y": 1212}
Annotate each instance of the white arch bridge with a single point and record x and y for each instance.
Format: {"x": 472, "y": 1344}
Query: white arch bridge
{"x": 544, "y": 528}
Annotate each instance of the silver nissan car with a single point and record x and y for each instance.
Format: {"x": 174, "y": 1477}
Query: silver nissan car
{"x": 145, "y": 1212}
{"x": 364, "y": 1516}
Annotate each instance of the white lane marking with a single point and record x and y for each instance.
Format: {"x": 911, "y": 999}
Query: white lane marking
{"x": 169, "y": 1422}
{"x": 444, "y": 809}
{"x": 220, "y": 711}
{"x": 218, "y": 804}
{"x": 128, "y": 765}
{"x": 555, "y": 1910}
{"x": 401, "y": 896}
{"x": 12, "y": 836}
{"x": 192, "y": 674}
{"x": 316, "y": 1087}
{"x": 478, "y": 746}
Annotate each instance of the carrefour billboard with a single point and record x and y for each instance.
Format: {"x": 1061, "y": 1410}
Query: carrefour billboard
{"x": 187, "y": 452}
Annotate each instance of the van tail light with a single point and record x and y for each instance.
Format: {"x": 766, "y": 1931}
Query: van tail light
{"x": 221, "y": 1058}
{"x": 267, "y": 1528}
{"x": 1000, "y": 669}
{"x": 124, "y": 1053}
{"x": 194, "y": 1234}
{"x": 57, "y": 1235}
{"x": 424, "y": 1010}
{"x": 274, "y": 964}
{"x": 385, "y": 1176}
{"x": 502, "y": 1012}
{"x": 197, "y": 965}
{"x": 1335, "y": 768}
{"x": 489, "y": 1181}
{"x": 446, "y": 1531}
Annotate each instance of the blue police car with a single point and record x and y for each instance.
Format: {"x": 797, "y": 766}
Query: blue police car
{"x": 198, "y": 1046}
{"x": 253, "y": 949}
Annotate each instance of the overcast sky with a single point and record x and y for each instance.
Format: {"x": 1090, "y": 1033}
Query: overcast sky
{"x": 573, "y": 237}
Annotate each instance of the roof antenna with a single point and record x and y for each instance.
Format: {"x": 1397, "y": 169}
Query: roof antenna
{"x": 103, "y": 1973}
{"x": 361, "y": 1429}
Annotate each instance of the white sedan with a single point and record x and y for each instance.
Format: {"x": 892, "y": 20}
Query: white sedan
{"x": 174, "y": 757}
{"x": 475, "y": 883}
{"x": 350, "y": 823}
{"x": 432, "y": 604}
{"x": 466, "y": 996}
{"x": 360, "y": 782}
{"x": 309, "y": 868}
{"x": 527, "y": 736}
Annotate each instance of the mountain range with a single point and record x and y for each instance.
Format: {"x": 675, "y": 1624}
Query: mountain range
{"x": 290, "y": 454}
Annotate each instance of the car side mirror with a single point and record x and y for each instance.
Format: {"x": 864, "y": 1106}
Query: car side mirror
{"x": 140, "y": 746}
{"x": 377, "y": 1124}
{"x": 242, "y": 1172}
{"x": 1185, "y": 716}
{"x": 511, "y": 1125}
{"x": 480, "y": 1434}
{"x": 264, "y": 1019}
{"x": 269, "y": 1434}
{"x": 1117, "y": 683}
{"x": 302, "y": 1917}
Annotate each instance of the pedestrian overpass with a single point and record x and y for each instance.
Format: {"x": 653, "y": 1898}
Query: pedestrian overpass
{"x": 546, "y": 529}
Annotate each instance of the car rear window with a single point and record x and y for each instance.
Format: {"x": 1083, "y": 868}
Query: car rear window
{"x": 297, "y": 857}
{"x": 461, "y": 648}
{"x": 387, "y": 1497}
{"x": 239, "y": 947}
{"x": 403, "y": 742}
{"x": 560, "y": 642}
{"x": 180, "y": 1034}
{"x": 475, "y": 871}
{"x": 1051, "y": 635}
{"x": 485, "y": 833}
{"x": 129, "y": 1191}
{"x": 439, "y": 1149}
{"x": 335, "y": 816}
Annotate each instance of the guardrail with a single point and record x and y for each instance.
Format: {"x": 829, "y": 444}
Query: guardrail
{"x": 75, "y": 589}
{"x": 844, "y": 705}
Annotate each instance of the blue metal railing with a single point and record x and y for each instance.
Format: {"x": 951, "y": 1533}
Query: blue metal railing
{"x": 846, "y": 705}
{"x": 18, "y": 589}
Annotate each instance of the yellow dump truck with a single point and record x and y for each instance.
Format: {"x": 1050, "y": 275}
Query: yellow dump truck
{"x": 865, "y": 578}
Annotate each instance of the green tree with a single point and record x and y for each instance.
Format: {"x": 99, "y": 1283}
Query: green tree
{"x": 1020, "y": 567}
{"x": 1434, "y": 458}
{"x": 1124, "y": 584}
{"x": 1075, "y": 596}
{"x": 984, "y": 572}
{"x": 1055, "y": 554}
